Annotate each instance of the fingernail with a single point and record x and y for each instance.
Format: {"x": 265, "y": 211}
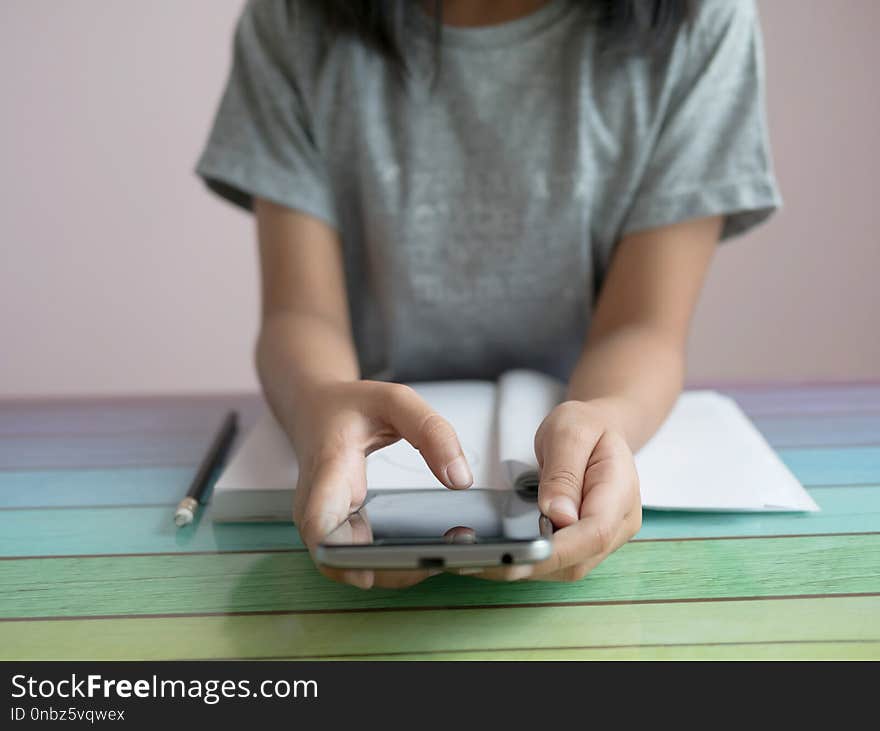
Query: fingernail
{"x": 458, "y": 473}
{"x": 563, "y": 506}
{"x": 518, "y": 573}
{"x": 360, "y": 579}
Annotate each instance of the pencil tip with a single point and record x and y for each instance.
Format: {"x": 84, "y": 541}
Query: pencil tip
{"x": 182, "y": 518}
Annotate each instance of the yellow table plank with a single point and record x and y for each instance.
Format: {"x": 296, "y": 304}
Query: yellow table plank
{"x": 839, "y": 619}
{"x": 818, "y": 650}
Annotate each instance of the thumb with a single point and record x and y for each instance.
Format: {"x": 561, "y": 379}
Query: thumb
{"x": 561, "y": 485}
{"x": 329, "y": 500}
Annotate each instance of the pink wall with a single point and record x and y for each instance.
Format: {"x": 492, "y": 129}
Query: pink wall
{"x": 799, "y": 298}
{"x": 119, "y": 274}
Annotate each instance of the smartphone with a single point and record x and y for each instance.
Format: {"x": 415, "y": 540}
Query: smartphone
{"x": 440, "y": 528}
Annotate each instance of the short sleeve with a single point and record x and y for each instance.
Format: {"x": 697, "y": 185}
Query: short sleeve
{"x": 262, "y": 142}
{"x": 711, "y": 155}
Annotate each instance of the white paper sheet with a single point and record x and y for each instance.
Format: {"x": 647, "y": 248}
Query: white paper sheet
{"x": 708, "y": 456}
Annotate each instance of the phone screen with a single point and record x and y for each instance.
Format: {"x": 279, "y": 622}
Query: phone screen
{"x": 442, "y": 516}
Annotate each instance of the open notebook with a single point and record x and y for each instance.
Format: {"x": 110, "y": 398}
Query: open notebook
{"x": 707, "y": 455}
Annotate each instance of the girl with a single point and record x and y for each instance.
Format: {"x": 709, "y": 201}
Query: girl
{"x": 451, "y": 189}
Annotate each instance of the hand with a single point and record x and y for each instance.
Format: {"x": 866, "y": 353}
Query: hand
{"x": 588, "y": 488}
{"x": 337, "y": 428}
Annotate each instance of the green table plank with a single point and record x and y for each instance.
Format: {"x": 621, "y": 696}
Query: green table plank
{"x": 247, "y": 582}
{"x": 840, "y": 619}
{"x": 138, "y": 530}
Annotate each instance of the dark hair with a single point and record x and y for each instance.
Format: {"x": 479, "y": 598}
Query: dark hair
{"x": 630, "y": 26}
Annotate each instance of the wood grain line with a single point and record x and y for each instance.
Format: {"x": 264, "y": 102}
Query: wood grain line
{"x": 435, "y": 608}
{"x": 303, "y": 549}
{"x": 556, "y": 648}
{"x": 89, "y": 507}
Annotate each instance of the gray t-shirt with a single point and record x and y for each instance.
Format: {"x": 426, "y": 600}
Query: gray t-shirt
{"x": 478, "y": 206}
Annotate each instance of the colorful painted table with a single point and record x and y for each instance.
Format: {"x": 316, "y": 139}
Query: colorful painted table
{"x": 91, "y": 566}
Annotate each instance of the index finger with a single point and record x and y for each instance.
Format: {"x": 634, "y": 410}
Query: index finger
{"x": 414, "y": 419}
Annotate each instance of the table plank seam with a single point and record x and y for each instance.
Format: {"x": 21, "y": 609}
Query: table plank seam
{"x": 303, "y": 549}
{"x": 440, "y": 608}
{"x": 557, "y": 648}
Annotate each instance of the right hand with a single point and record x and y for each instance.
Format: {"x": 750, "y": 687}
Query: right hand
{"x": 337, "y": 427}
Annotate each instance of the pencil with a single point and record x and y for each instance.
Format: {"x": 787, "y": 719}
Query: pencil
{"x": 215, "y": 455}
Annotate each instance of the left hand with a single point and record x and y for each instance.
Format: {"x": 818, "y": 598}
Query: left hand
{"x": 589, "y": 488}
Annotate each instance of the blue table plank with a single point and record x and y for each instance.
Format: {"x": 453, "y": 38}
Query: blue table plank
{"x": 89, "y": 488}
{"x": 165, "y": 485}
{"x": 138, "y": 530}
{"x": 834, "y": 465}
{"x": 135, "y": 530}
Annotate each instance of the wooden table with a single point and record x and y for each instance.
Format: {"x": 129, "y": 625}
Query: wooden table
{"x": 91, "y": 566}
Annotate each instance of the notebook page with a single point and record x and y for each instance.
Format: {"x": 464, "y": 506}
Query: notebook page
{"x": 524, "y": 400}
